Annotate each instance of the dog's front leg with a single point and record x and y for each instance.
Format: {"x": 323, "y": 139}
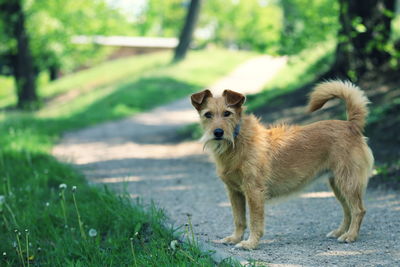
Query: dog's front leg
{"x": 238, "y": 203}
{"x": 255, "y": 200}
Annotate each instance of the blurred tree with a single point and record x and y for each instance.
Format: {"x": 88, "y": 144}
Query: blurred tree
{"x": 35, "y": 36}
{"x": 161, "y": 18}
{"x": 186, "y": 34}
{"x": 307, "y": 23}
{"x": 19, "y": 57}
{"x": 364, "y": 42}
{"x": 243, "y": 24}
{"x": 52, "y": 25}
{"x": 272, "y": 26}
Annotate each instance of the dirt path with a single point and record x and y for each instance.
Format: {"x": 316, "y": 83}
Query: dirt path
{"x": 139, "y": 154}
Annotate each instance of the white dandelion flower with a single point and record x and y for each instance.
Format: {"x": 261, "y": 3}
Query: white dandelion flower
{"x": 62, "y": 186}
{"x": 174, "y": 244}
{"x": 74, "y": 188}
{"x": 92, "y": 232}
{"x": 2, "y": 201}
{"x": 47, "y": 204}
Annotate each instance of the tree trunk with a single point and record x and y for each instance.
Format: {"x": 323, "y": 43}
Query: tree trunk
{"x": 288, "y": 13}
{"x": 362, "y": 39}
{"x": 22, "y": 62}
{"x": 54, "y": 72}
{"x": 187, "y": 31}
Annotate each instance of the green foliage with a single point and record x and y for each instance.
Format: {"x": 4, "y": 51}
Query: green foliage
{"x": 249, "y": 24}
{"x": 52, "y": 24}
{"x": 114, "y": 232}
{"x": 365, "y": 39}
{"x": 307, "y": 23}
{"x": 279, "y": 26}
{"x": 161, "y": 18}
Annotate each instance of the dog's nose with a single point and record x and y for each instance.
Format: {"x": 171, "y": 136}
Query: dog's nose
{"x": 218, "y": 132}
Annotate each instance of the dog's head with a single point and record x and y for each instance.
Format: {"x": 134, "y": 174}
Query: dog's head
{"x": 219, "y": 117}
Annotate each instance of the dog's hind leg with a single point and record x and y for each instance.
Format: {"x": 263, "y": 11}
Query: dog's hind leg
{"x": 357, "y": 214}
{"x": 352, "y": 189}
{"x": 238, "y": 203}
{"x": 344, "y": 226}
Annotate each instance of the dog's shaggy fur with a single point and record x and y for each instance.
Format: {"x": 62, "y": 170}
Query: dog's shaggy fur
{"x": 259, "y": 163}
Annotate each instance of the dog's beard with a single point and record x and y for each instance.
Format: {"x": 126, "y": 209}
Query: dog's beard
{"x": 216, "y": 146}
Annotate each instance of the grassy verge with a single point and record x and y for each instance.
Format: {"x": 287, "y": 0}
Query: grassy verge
{"x": 49, "y": 216}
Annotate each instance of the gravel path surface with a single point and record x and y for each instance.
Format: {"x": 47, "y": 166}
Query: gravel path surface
{"x": 139, "y": 154}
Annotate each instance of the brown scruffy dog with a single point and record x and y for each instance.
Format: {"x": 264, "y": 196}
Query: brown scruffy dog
{"x": 259, "y": 163}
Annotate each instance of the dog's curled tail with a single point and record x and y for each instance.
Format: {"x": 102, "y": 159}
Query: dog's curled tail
{"x": 356, "y": 101}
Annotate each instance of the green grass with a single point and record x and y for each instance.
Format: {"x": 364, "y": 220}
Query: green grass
{"x": 30, "y": 177}
{"x": 7, "y": 95}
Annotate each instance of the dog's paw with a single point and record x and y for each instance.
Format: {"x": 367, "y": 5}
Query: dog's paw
{"x": 247, "y": 245}
{"x": 335, "y": 233}
{"x": 228, "y": 240}
{"x": 347, "y": 238}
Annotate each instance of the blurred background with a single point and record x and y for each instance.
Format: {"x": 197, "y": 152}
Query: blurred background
{"x": 55, "y": 38}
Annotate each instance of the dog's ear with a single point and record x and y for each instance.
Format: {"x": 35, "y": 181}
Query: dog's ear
{"x": 233, "y": 99}
{"x": 199, "y": 98}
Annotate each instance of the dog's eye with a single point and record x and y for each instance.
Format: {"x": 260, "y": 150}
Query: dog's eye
{"x": 208, "y": 115}
{"x": 227, "y": 113}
